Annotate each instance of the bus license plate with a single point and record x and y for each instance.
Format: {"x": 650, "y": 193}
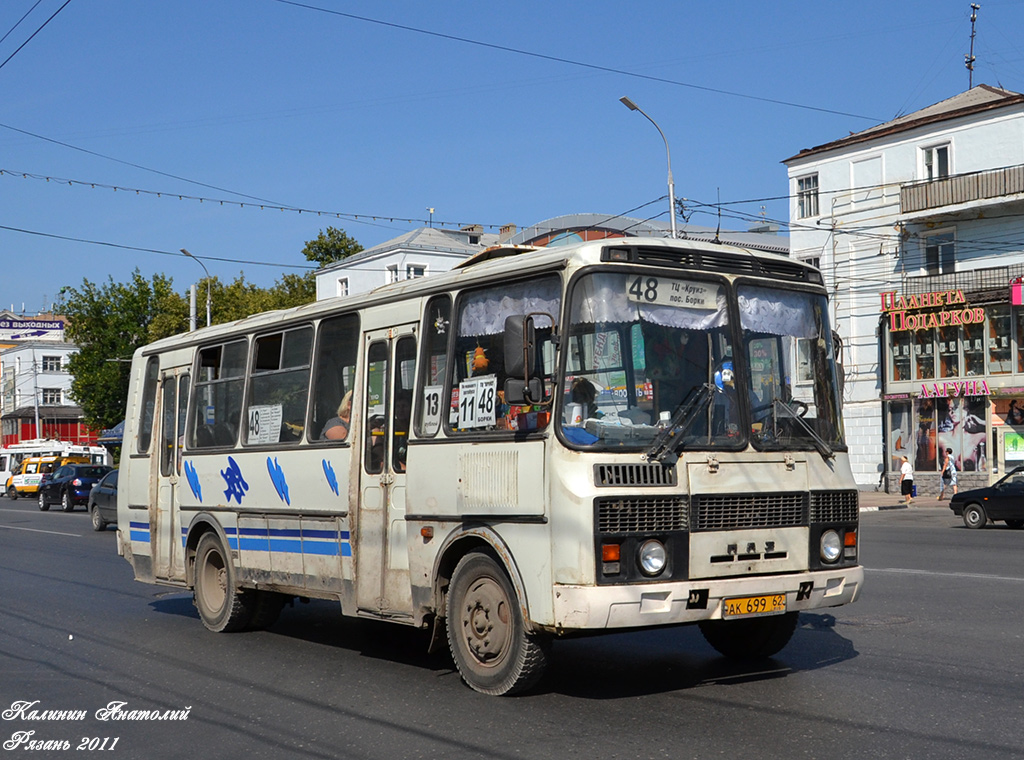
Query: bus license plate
{"x": 751, "y": 606}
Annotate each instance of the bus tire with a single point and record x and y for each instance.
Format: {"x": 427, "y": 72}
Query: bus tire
{"x": 750, "y": 638}
{"x": 486, "y": 631}
{"x": 12, "y": 493}
{"x": 222, "y": 606}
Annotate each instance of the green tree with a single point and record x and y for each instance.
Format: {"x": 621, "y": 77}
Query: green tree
{"x": 330, "y": 245}
{"x": 107, "y": 323}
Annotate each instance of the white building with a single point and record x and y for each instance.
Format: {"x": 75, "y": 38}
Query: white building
{"x": 35, "y": 391}
{"x": 918, "y": 227}
{"x": 422, "y": 252}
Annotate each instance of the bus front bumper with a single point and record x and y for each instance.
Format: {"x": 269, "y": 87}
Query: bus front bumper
{"x": 651, "y": 604}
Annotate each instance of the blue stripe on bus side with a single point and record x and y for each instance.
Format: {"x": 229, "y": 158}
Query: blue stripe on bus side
{"x": 284, "y": 540}
{"x": 138, "y": 531}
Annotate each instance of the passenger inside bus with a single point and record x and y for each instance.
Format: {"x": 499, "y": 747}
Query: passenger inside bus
{"x": 337, "y": 427}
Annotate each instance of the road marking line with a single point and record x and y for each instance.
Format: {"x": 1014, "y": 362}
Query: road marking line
{"x": 973, "y": 576}
{"x": 36, "y": 530}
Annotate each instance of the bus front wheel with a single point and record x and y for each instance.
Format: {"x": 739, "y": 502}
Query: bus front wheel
{"x": 750, "y": 638}
{"x": 486, "y": 631}
{"x": 222, "y": 606}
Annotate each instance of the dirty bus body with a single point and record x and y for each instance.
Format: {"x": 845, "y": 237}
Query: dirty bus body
{"x": 539, "y": 443}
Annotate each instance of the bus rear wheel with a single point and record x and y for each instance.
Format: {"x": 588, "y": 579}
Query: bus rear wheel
{"x": 486, "y": 631}
{"x": 750, "y": 638}
{"x": 222, "y": 606}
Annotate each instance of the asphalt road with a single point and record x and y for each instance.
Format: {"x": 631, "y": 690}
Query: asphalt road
{"x": 928, "y": 664}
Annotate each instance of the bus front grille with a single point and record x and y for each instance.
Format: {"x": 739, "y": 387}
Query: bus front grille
{"x": 641, "y": 515}
{"x": 733, "y": 511}
{"x": 642, "y": 474}
{"x": 834, "y": 506}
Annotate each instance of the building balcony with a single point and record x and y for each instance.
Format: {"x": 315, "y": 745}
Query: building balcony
{"x": 959, "y": 193}
{"x": 990, "y": 285}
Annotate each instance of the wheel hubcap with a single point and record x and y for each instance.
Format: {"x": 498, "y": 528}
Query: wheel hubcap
{"x": 485, "y": 621}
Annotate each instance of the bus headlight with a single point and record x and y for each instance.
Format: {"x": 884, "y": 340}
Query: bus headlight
{"x": 831, "y": 546}
{"x": 652, "y": 557}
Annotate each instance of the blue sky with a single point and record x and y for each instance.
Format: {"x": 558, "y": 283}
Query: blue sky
{"x": 490, "y": 113}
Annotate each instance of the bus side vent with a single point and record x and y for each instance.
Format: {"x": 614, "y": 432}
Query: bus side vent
{"x": 834, "y": 506}
{"x": 650, "y": 515}
{"x": 732, "y": 511}
{"x": 488, "y": 480}
{"x": 645, "y": 474}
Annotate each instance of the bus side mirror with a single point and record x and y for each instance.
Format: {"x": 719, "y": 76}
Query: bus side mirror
{"x": 519, "y": 393}
{"x": 519, "y": 340}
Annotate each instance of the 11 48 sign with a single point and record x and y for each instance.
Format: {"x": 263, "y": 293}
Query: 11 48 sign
{"x": 478, "y": 402}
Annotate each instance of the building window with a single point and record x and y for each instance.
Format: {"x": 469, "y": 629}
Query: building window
{"x": 391, "y": 273}
{"x": 51, "y": 364}
{"x": 415, "y": 270}
{"x": 51, "y": 396}
{"x": 814, "y": 261}
{"x": 807, "y": 196}
{"x": 940, "y": 253}
{"x": 935, "y": 161}
{"x": 342, "y": 286}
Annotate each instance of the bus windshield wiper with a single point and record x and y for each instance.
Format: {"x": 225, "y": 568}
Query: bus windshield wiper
{"x": 667, "y": 442}
{"x": 819, "y": 443}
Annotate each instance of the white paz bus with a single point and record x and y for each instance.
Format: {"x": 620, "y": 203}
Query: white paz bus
{"x": 540, "y": 443}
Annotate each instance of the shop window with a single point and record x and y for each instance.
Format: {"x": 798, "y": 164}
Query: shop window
{"x": 924, "y": 354}
{"x": 974, "y": 349}
{"x": 949, "y": 351}
{"x": 900, "y": 356}
{"x": 925, "y": 444}
{"x": 1019, "y": 319}
{"x": 900, "y": 427}
{"x": 999, "y": 327}
{"x": 961, "y": 427}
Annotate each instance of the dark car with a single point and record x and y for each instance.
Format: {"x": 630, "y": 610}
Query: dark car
{"x": 103, "y": 502}
{"x": 70, "y": 485}
{"x": 1003, "y": 500}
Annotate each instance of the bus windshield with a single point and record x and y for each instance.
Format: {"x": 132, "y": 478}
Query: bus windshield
{"x": 646, "y": 352}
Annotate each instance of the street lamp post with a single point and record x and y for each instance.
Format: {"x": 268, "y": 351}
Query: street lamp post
{"x": 207, "y": 283}
{"x": 671, "y": 183}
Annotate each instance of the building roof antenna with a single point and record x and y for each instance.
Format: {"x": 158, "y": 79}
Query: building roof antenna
{"x": 969, "y": 58}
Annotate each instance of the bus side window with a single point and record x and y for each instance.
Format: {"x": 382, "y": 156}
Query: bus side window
{"x": 148, "y": 405}
{"x": 218, "y": 395}
{"x": 434, "y": 361}
{"x": 478, "y": 372}
{"x": 376, "y": 407}
{"x": 334, "y": 376}
{"x": 405, "y": 374}
{"x": 279, "y": 388}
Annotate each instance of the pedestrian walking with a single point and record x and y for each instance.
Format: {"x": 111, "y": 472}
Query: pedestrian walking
{"x": 948, "y": 479}
{"x": 907, "y": 480}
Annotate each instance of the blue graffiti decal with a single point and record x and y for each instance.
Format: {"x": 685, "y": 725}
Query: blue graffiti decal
{"x": 332, "y": 479}
{"x": 278, "y": 479}
{"x": 234, "y": 480}
{"x": 193, "y": 481}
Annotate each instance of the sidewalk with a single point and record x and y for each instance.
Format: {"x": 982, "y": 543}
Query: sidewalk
{"x": 872, "y": 500}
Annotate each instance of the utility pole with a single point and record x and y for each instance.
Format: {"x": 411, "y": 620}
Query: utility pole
{"x": 969, "y": 58}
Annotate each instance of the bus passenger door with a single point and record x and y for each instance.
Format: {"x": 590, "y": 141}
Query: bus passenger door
{"x": 382, "y": 554}
{"x": 164, "y": 514}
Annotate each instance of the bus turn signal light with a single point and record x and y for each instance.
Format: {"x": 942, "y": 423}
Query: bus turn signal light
{"x": 610, "y": 552}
